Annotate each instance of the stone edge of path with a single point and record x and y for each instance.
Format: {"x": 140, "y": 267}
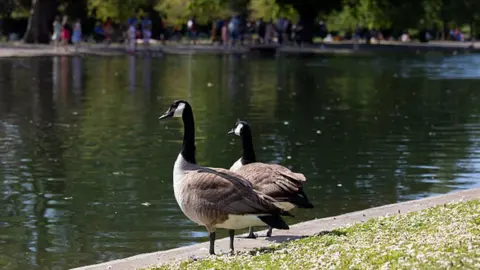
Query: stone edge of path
{"x": 296, "y": 231}
{"x": 25, "y": 50}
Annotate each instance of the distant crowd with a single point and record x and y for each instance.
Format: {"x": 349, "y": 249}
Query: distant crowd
{"x": 230, "y": 31}
{"x": 234, "y": 31}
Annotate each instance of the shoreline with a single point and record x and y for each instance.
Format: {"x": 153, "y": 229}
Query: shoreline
{"x": 300, "y": 230}
{"x": 10, "y": 50}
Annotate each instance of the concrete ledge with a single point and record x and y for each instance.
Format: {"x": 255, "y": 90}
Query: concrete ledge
{"x": 307, "y": 228}
{"x": 30, "y": 50}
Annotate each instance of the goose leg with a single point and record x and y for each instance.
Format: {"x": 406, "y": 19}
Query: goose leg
{"x": 269, "y": 232}
{"x": 251, "y": 234}
{"x": 212, "y": 243}
{"x": 231, "y": 233}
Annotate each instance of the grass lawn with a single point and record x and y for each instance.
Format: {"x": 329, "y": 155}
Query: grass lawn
{"x": 443, "y": 237}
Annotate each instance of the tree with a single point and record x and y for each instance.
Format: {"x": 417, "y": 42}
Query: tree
{"x": 366, "y": 13}
{"x": 42, "y": 13}
{"x": 6, "y": 7}
{"x": 238, "y": 6}
{"x": 308, "y": 10}
{"x": 117, "y": 10}
{"x": 75, "y": 9}
{"x": 269, "y": 10}
{"x": 41, "y": 16}
{"x": 390, "y": 14}
{"x": 178, "y": 11}
{"x": 340, "y": 14}
{"x": 466, "y": 12}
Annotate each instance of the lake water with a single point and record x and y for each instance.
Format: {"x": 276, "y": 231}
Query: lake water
{"x": 86, "y": 167}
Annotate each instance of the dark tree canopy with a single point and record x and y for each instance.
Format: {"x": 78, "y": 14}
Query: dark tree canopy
{"x": 312, "y": 7}
{"x": 340, "y": 15}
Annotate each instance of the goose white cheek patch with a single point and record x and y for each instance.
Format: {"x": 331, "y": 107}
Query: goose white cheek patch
{"x": 238, "y": 129}
{"x": 179, "y": 110}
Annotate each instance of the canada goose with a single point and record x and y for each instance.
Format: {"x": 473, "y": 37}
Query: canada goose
{"x": 213, "y": 197}
{"x": 274, "y": 180}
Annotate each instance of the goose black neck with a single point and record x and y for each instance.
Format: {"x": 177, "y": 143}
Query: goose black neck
{"x": 188, "y": 149}
{"x": 247, "y": 142}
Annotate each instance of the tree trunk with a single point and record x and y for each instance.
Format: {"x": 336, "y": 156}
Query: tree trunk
{"x": 239, "y": 7}
{"x": 41, "y": 17}
{"x": 308, "y": 22}
{"x": 444, "y": 30}
{"x": 77, "y": 9}
{"x": 472, "y": 31}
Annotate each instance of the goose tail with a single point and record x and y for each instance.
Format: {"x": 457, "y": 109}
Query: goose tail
{"x": 301, "y": 200}
{"x": 275, "y": 221}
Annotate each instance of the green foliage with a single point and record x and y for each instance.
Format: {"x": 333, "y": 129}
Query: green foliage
{"x": 340, "y": 15}
{"x": 433, "y": 11}
{"x": 178, "y": 11}
{"x": 312, "y": 8}
{"x": 238, "y": 6}
{"x": 15, "y": 8}
{"x": 119, "y": 11}
{"x": 173, "y": 9}
{"x": 205, "y": 10}
{"x": 465, "y": 11}
{"x": 392, "y": 14}
{"x": 20, "y": 13}
{"x": 366, "y": 13}
{"x": 269, "y": 9}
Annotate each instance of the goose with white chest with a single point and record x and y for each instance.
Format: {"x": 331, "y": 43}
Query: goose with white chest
{"x": 214, "y": 197}
{"x": 274, "y": 180}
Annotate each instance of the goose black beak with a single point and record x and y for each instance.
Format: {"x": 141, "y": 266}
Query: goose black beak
{"x": 232, "y": 131}
{"x": 167, "y": 114}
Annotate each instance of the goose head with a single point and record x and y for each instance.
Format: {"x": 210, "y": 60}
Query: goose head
{"x": 240, "y": 128}
{"x": 176, "y": 109}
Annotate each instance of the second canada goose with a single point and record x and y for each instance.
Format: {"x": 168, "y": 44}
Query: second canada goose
{"x": 213, "y": 197}
{"x": 273, "y": 180}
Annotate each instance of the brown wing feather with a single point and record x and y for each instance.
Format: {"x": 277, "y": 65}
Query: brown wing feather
{"x": 272, "y": 179}
{"x": 286, "y": 172}
{"x": 224, "y": 191}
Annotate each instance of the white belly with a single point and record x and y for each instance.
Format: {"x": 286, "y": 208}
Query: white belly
{"x": 237, "y": 165}
{"x": 178, "y": 195}
{"x": 237, "y": 222}
{"x": 178, "y": 176}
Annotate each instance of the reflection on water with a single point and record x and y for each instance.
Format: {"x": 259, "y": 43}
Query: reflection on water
{"x": 85, "y": 166}
{"x": 147, "y": 73}
{"x": 77, "y": 75}
{"x": 439, "y": 67}
{"x": 131, "y": 72}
